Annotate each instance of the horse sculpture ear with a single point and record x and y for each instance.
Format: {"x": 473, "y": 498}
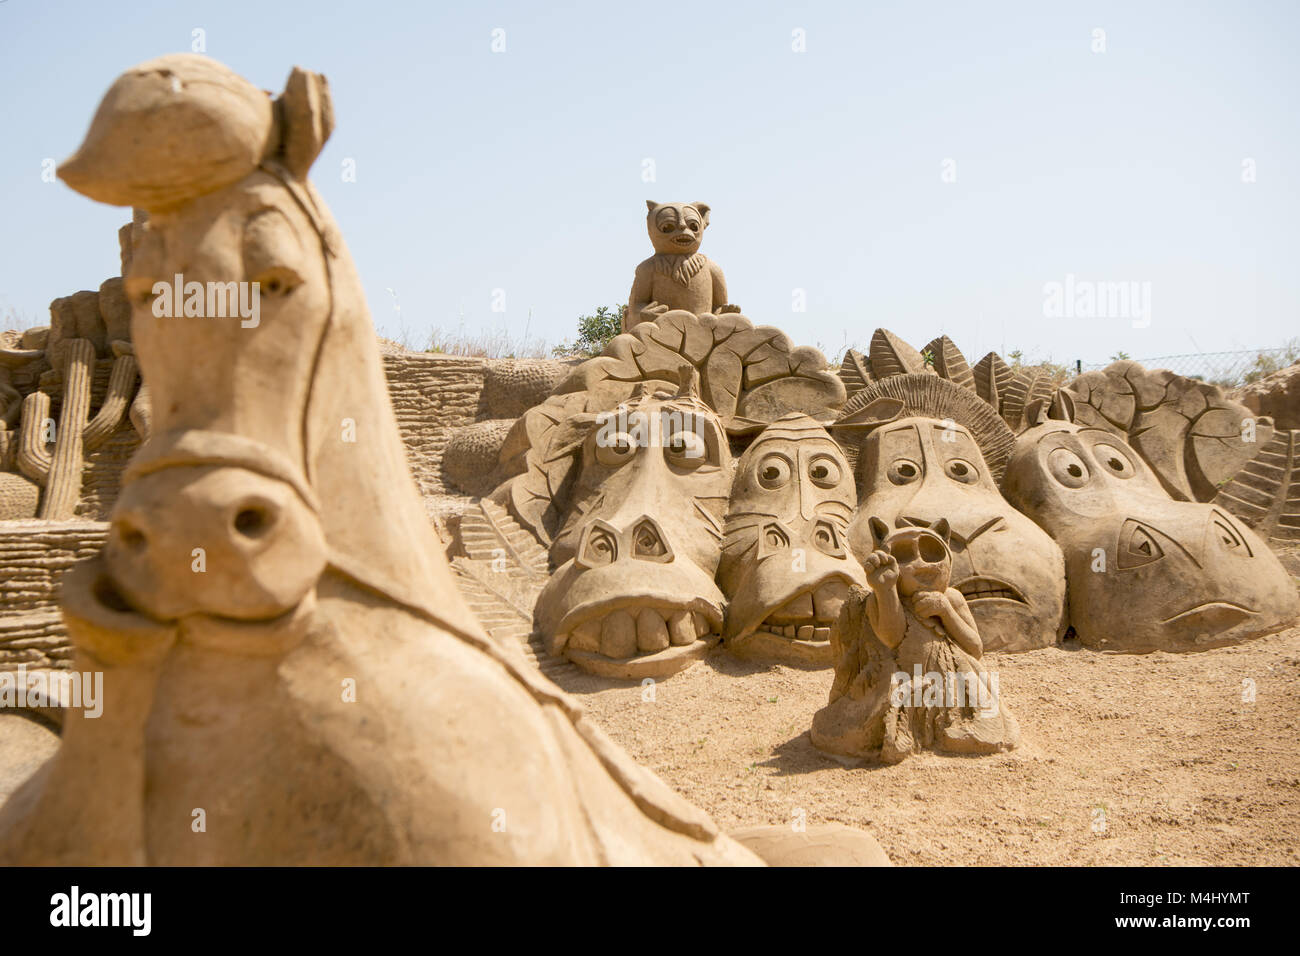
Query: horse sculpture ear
{"x": 306, "y": 115}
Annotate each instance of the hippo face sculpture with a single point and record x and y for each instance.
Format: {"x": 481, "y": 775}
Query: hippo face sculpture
{"x": 919, "y": 470}
{"x": 786, "y": 567}
{"x": 633, "y": 594}
{"x": 1145, "y": 572}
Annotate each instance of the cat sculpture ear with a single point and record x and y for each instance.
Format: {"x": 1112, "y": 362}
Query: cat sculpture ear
{"x": 704, "y": 213}
{"x": 651, "y": 205}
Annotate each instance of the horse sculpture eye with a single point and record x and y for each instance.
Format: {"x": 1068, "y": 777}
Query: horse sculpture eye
{"x": 1114, "y": 460}
{"x": 1067, "y": 468}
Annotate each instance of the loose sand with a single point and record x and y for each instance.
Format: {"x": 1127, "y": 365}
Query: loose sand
{"x": 1182, "y": 770}
{"x": 1135, "y": 760}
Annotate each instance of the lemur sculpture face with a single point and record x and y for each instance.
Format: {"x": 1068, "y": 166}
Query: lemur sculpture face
{"x": 919, "y": 470}
{"x": 633, "y": 594}
{"x": 1145, "y": 572}
{"x": 786, "y": 567}
{"x": 676, "y": 228}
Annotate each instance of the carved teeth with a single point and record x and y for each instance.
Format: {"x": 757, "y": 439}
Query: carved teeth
{"x": 681, "y": 628}
{"x": 586, "y": 636}
{"x": 628, "y": 632}
{"x": 651, "y": 631}
{"x": 618, "y": 635}
{"x": 821, "y": 633}
{"x": 806, "y": 632}
{"x": 829, "y": 598}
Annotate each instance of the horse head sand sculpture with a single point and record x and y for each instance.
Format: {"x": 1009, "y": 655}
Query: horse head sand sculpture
{"x": 1145, "y": 572}
{"x": 282, "y": 644}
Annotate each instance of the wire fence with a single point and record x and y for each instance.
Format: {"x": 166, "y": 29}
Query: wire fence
{"x": 1229, "y": 369}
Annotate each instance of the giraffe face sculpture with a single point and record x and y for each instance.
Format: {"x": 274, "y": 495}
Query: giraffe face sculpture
{"x": 786, "y": 568}
{"x": 918, "y": 470}
{"x": 1145, "y": 572}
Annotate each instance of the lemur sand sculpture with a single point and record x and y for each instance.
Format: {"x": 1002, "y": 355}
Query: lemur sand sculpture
{"x": 1145, "y": 572}
{"x": 908, "y": 674}
{"x": 678, "y": 275}
{"x": 319, "y": 686}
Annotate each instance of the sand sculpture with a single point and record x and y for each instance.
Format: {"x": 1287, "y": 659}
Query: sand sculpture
{"x": 633, "y": 593}
{"x": 929, "y": 460}
{"x": 1145, "y": 572}
{"x": 908, "y": 675}
{"x": 678, "y": 275}
{"x": 318, "y": 688}
{"x": 711, "y": 380}
{"x": 786, "y": 567}
{"x": 45, "y": 458}
{"x": 1191, "y": 434}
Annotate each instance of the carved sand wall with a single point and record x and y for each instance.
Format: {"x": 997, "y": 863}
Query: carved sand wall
{"x": 34, "y": 556}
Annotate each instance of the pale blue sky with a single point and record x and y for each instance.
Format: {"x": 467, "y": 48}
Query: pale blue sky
{"x": 522, "y": 170}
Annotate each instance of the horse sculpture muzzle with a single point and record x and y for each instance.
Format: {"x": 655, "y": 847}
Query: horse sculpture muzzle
{"x": 238, "y": 536}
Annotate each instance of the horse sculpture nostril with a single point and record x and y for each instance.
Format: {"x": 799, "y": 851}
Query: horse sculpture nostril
{"x": 107, "y": 594}
{"x": 253, "y": 521}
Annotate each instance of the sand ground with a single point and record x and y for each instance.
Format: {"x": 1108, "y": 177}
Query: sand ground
{"x": 1135, "y": 760}
{"x": 1138, "y": 760}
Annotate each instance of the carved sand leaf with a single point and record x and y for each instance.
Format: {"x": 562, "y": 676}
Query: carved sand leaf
{"x": 949, "y": 362}
{"x": 890, "y": 355}
{"x": 930, "y": 396}
{"x": 1266, "y": 493}
{"x": 855, "y": 371}
{"x": 992, "y": 376}
{"x": 1016, "y": 398}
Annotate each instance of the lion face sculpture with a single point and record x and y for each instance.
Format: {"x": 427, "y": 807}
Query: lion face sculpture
{"x": 1145, "y": 572}
{"x": 919, "y": 470}
{"x": 786, "y": 568}
{"x": 633, "y": 594}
